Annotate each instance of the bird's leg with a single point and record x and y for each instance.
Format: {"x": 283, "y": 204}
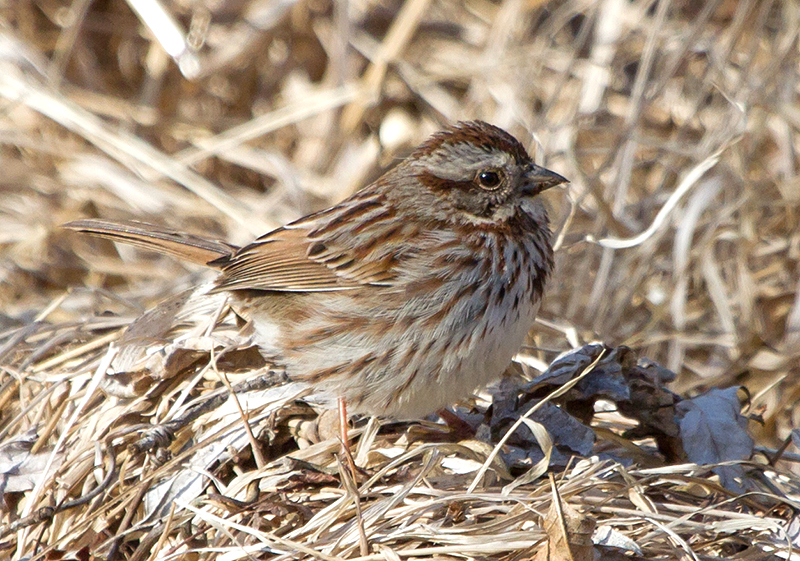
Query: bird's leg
{"x": 346, "y": 453}
{"x": 351, "y": 481}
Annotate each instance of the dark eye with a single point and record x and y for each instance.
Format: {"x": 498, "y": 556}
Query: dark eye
{"x": 489, "y": 179}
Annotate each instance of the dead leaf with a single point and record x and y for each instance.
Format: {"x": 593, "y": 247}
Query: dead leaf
{"x": 19, "y": 469}
{"x": 569, "y": 533}
{"x": 713, "y": 431}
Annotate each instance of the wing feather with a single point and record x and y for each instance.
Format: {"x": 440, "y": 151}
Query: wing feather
{"x": 331, "y": 250}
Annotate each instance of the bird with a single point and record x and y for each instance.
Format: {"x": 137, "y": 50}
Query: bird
{"x": 405, "y": 297}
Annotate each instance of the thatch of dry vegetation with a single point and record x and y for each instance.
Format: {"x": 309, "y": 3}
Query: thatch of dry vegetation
{"x": 678, "y": 246}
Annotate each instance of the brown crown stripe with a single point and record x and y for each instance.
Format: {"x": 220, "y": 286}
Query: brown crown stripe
{"x": 478, "y": 133}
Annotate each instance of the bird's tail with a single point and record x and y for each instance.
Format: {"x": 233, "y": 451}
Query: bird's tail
{"x": 187, "y": 247}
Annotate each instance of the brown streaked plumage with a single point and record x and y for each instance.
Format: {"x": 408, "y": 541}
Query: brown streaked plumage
{"x": 408, "y": 295}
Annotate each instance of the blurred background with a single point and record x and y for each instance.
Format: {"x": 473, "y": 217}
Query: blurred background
{"x": 675, "y": 121}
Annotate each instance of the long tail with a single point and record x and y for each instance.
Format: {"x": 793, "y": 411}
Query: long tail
{"x": 156, "y": 238}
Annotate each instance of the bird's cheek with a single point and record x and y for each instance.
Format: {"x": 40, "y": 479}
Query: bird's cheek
{"x": 475, "y": 205}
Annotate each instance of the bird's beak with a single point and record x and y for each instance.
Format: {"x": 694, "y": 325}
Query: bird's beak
{"x": 538, "y": 179}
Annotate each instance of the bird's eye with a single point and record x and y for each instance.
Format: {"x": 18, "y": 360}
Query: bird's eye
{"x": 489, "y": 179}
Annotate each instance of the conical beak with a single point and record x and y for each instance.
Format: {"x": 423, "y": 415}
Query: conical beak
{"x": 538, "y": 179}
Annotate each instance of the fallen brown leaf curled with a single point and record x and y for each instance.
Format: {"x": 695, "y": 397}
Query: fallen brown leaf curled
{"x": 569, "y": 532}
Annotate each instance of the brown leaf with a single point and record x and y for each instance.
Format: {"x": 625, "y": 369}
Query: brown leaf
{"x": 569, "y": 533}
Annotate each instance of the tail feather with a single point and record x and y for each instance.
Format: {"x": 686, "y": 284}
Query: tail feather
{"x": 187, "y": 247}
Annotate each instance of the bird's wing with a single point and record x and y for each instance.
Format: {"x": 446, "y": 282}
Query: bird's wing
{"x": 352, "y": 244}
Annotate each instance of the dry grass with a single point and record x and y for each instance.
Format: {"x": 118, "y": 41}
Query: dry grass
{"x": 677, "y": 123}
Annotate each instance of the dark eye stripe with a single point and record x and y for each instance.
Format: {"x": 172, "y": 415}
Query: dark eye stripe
{"x": 437, "y": 184}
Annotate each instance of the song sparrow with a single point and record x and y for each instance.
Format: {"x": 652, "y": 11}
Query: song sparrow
{"x": 407, "y": 296}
